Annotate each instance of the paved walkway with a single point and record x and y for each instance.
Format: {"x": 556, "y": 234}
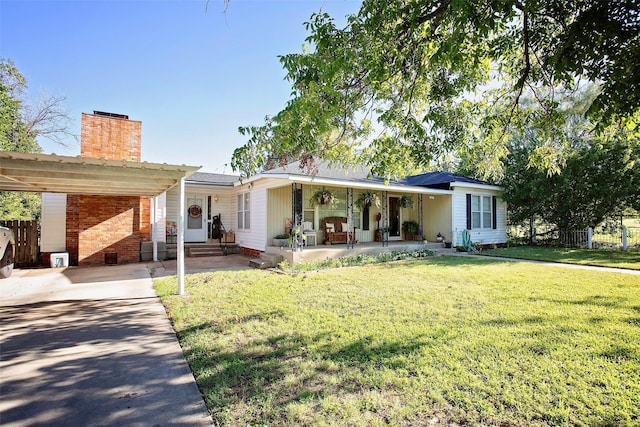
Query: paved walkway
{"x": 556, "y": 264}
{"x": 91, "y": 346}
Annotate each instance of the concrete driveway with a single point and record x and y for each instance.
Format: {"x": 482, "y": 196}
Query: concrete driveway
{"x": 91, "y": 346}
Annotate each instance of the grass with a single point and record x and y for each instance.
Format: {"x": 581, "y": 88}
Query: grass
{"x": 436, "y": 341}
{"x": 597, "y": 257}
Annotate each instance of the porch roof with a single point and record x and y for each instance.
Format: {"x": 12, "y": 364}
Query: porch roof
{"x": 353, "y": 176}
{"x": 50, "y": 173}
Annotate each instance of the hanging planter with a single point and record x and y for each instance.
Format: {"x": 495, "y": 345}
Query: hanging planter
{"x": 323, "y": 197}
{"x": 406, "y": 202}
{"x": 367, "y": 199}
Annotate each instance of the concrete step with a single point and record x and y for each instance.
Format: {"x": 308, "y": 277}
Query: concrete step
{"x": 260, "y": 263}
{"x": 201, "y": 252}
{"x": 275, "y": 259}
{"x": 205, "y": 249}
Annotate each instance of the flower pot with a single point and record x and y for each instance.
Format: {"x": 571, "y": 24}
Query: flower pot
{"x": 284, "y": 243}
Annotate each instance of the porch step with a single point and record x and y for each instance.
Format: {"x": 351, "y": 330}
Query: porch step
{"x": 204, "y": 250}
{"x": 200, "y": 252}
{"x": 266, "y": 261}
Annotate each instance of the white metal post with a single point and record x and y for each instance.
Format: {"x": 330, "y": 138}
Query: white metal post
{"x": 154, "y": 227}
{"x": 180, "y": 260}
{"x": 624, "y": 238}
{"x": 589, "y": 238}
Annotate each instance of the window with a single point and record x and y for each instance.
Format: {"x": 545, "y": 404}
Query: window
{"x": 481, "y": 212}
{"x": 243, "y": 207}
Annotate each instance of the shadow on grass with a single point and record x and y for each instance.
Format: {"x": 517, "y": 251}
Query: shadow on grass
{"x": 263, "y": 375}
{"x": 452, "y": 261}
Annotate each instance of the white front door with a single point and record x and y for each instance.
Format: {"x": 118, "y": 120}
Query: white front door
{"x": 195, "y": 218}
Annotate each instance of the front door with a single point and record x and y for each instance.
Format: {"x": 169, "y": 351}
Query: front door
{"x": 394, "y": 218}
{"x": 195, "y": 219}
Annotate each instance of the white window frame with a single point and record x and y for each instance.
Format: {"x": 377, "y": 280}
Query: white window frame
{"x": 243, "y": 204}
{"x": 481, "y": 211}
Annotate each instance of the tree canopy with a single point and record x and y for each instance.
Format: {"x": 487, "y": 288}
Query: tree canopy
{"x": 20, "y": 126}
{"x": 406, "y": 83}
{"x": 600, "y": 179}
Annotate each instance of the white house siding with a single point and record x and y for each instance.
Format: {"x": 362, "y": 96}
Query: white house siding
{"x": 436, "y": 215}
{"x": 481, "y": 236}
{"x": 279, "y": 209}
{"x": 256, "y": 236}
{"x": 225, "y": 206}
{"x": 53, "y": 226}
{"x": 161, "y": 217}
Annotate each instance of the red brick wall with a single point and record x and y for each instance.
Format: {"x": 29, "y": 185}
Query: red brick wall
{"x": 72, "y": 228}
{"x": 108, "y": 224}
{"x": 250, "y": 252}
{"x": 110, "y": 138}
{"x": 145, "y": 218}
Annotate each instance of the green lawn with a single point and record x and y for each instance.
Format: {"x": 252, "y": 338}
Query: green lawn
{"x": 599, "y": 257}
{"x": 445, "y": 340}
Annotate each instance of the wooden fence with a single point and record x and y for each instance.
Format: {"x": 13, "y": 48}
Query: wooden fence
{"x": 27, "y": 249}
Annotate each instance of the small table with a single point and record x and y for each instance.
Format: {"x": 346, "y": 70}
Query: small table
{"x": 311, "y": 237}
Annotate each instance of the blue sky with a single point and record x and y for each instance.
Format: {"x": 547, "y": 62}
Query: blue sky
{"x": 191, "y": 73}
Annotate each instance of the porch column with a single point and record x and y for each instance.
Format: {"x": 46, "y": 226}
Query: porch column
{"x": 350, "y": 239}
{"x": 180, "y": 260}
{"x": 295, "y": 218}
{"x": 420, "y": 227}
{"x": 385, "y": 219}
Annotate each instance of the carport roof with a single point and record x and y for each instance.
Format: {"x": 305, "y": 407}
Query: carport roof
{"x": 50, "y": 173}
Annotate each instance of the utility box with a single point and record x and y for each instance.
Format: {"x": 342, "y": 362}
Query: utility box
{"x": 59, "y": 260}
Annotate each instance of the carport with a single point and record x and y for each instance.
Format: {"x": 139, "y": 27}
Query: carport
{"x": 50, "y": 173}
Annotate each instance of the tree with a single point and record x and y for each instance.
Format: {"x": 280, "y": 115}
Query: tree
{"x": 601, "y": 178}
{"x": 405, "y": 83}
{"x": 20, "y": 126}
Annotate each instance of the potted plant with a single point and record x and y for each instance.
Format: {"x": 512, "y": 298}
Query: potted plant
{"x": 281, "y": 240}
{"x": 410, "y": 229}
{"x": 323, "y": 197}
{"x": 297, "y": 238}
{"x": 406, "y": 202}
{"x": 367, "y": 199}
{"x": 439, "y": 237}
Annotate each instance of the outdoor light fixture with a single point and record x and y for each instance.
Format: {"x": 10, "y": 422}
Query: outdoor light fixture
{"x": 215, "y": 198}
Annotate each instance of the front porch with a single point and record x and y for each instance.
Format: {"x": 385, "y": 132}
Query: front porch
{"x": 322, "y": 252}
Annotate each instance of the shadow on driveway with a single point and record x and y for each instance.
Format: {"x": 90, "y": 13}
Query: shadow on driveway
{"x": 102, "y": 357}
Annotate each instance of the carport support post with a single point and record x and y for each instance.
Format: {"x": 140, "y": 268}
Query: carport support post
{"x": 154, "y": 227}
{"x": 180, "y": 260}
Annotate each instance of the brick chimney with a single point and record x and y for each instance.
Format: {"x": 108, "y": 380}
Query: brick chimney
{"x": 110, "y": 136}
{"x": 107, "y": 229}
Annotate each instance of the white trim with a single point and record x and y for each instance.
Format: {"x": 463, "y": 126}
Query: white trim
{"x": 487, "y": 187}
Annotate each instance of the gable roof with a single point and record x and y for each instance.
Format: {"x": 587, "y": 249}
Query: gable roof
{"x": 325, "y": 173}
{"x": 440, "y": 180}
{"x": 206, "y": 178}
{"x": 325, "y": 170}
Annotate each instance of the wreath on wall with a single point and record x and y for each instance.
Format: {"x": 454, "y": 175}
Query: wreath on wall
{"x": 195, "y": 211}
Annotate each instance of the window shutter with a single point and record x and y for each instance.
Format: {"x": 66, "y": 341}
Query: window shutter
{"x": 495, "y": 214}
{"x": 468, "y": 211}
{"x": 365, "y": 218}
